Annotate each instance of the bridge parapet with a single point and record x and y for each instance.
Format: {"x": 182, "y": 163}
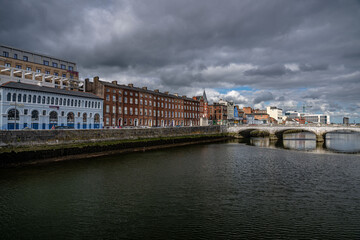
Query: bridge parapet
{"x": 276, "y": 132}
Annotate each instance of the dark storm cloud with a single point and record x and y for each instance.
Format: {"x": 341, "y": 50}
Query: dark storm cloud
{"x": 315, "y": 67}
{"x": 269, "y": 71}
{"x": 263, "y": 97}
{"x": 277, "y": 45}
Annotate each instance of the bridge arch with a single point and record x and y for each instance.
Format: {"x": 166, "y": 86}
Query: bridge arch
{"x": 280, "y": 133}
{"x": 253, "y": 132}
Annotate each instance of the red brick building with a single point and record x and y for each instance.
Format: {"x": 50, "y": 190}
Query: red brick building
{"x": 133, "y": 106}
{"x": 217, "y": 113}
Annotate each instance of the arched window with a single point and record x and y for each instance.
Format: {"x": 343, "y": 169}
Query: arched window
{"x": 13, "y": 114}
{"x": 34, "y": 115}
{"x": 52, "y": 100}
{"x": 24, "y": 98}
{"x": 8, "y": 97}
{"x": 97, "y": 118}
{"x": 75, "y": 103}
{"x": 72, "y": 102}
{"x": 70, "y": 117}
{"x": 60, "y": 101}
{"x": 14, "y": 97}
{"x": 92, "y": 104}
{"x": 53, "y": 117}
{"x": 48, "y": 100}
{"x": 29, "y": 99}
{"x": 68, "y": 102}
{"x": 84, "y": 118}
{"x": 56, "y": 101}
{"x": 86, "y": 104}
{"x": 19, "y": 97}
{"x": 43, "y": 100}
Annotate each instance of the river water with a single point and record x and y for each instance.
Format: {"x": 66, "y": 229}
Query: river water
{"x": 226, "y": 190}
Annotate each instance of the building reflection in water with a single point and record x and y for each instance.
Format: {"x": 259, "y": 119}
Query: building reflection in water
{"x": 260, "y": 142}
{"x": 300, "y": 141}
{"x": 343, "y": 142}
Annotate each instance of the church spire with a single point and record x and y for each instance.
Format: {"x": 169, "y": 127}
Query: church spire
{"x": 204, "y": 96}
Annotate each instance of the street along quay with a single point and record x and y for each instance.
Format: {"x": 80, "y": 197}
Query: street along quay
{"x": 22, "y": 147}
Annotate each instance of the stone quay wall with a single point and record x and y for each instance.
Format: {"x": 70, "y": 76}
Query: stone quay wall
{"x": 20, "y": 138}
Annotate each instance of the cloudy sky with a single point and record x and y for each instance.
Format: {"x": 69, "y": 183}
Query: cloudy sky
{"x": 258, "y": 53}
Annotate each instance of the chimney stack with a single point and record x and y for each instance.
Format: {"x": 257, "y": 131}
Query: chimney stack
{"x": 145, "y": 88}
{"x": 131, "y": 85}
{"x": 167, "y": 93}
{"x": 114, "y": 82}
{"x": 156, "y": 90}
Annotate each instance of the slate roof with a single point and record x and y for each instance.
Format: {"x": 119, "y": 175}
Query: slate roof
{"x": 109, "y": 84}
{"x": 30, "y": 87}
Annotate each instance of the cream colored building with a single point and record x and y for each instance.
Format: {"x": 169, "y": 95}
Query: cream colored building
{"x": 275, "y": 113}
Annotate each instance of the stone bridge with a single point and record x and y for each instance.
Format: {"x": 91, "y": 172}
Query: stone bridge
{"x": 276, "y": 132}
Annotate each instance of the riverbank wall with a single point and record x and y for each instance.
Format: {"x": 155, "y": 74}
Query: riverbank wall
{"x": 31, "y": 146}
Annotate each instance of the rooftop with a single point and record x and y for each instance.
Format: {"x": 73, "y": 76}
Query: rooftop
{"x": 30, "y": 87}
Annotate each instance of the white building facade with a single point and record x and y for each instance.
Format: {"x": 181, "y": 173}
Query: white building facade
{"x": 31, "y": 106}
{"x": 275, "y": 113}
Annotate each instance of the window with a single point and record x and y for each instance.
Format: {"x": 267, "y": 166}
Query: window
{"x": 13, "y": 114}
{"x": 136, "y": 111}
{"x": 63, "y": 66}
{"x": 57, "y": 101}
{"x": 107, "y": 90}
{"x": 26, "y": 111}
{"x": 34, "y": 115}
{"x": 84, "y": 118}
{"x": 62, "y": 113}
{"x": 131, "y": 93}
{"x": 60, "y": 103}
{"x": 107, "y": 97}
{"x": 18, "y": 66}
{"x": 107, "y": 121}
{"x": 131, "y": 111}
{"x": 119, "y": 110}
{"x": 7, "y": 65}
{"x": 5, "y": 54}
{"x": 54, "y": 64}
{"x": 14, "y": 97}
{"x": 46, "y": 63}
{"x": 125, "y": 99}
{"x": 47, "y": 72}
{"x": 131, "y": 100}
{"x": 38, "y": 70}
{"x": 125, "y": 110}
{"x": 71, "y": 68}
{"x": 44, "y": 112}
{"x": 56, "y": 74}
{"x": 64, "y": 75}
{"x": 8, "y": 97}
{"x": 28, "y": 68}
{"x": 24, "y": 98}
{"x": 107, "y": 108}
{"x": 15, "y": 56}
{"x": 114, "y": 98}
{"x": 25, "y": 58}
{"x": 119, "y": 99}
{"x": 29, "y": 99}
{"x": 52, "y": 100}
{"x": 136, "y": 101}
{"x": 48, "y": 100}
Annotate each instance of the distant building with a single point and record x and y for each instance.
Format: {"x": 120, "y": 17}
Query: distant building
{"x": 133, "y": 106}
{"x": 275, "y": 113}
{"x": 346, "y": 121}
{"x": 317, "y": 118}
{"x": 292, "y": 114}
{"x": 204, "y": 118}
{"x": 247, "y": 110}
{"x": 29, "y": 66}
{"x": 218, "y": 114}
